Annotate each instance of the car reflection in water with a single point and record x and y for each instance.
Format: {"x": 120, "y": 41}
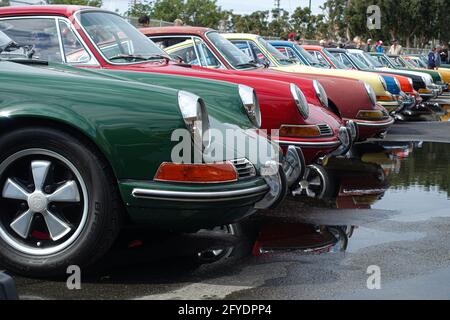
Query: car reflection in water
{"x": 352, "y": 183}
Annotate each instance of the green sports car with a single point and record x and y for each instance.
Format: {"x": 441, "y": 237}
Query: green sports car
{"x": 82, "y": 154}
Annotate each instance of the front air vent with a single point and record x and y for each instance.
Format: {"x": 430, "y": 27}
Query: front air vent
{"x": 325, "y": 130}
{"x": 244, "y": 168}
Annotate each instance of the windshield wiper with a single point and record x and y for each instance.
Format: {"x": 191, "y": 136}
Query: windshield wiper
{"x": 128, "y": 57}
{"x": 248, "y": 64}
{"x": 140, "y": 57}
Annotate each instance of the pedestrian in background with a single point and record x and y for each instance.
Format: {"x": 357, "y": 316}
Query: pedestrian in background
{"x": 369, "y": 45}
{"x": 297, "y": 39}
{"x": 178, "y": 23}
{"x": 437, "y": 61}
{"x": 291, "y": 37}
{"x": 395, "y": 49}
{"x": 444, "y": 54}
{"x": 432, "y": 58}
{"x": 379, "y": 46}
{"x": 144, "y": 21}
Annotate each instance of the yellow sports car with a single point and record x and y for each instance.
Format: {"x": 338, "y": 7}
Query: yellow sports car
{"x": 263, "y": 52}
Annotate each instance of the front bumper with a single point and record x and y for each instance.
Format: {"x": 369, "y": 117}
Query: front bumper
{"x": 189, "y": 207}
{"x": 368, "y": 129}
{"x": 391, "y": 106}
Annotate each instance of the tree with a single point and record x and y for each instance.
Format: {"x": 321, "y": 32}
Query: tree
{"x": 92, "y": 3}
{"x": 280, "y": 22}
{"x": 4, "y": 3}
{"x": 335, "y": 18}
{"x": 256, "y": 22}
{"x": 168, "y": 10}
{"x": 203, "y": 13}
{"x": 139, "y": 9}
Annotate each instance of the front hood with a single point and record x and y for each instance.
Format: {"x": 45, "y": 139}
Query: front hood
{"x": 372, "y": 79}
{"x": 221, "y": 98}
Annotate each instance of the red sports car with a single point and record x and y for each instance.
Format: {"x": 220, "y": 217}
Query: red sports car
{"x": 205, "y": 47}
{"x": 102, "y": 40}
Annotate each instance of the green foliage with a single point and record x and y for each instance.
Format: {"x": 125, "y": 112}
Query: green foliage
{"x": 140, "y": 9}
{"x": 91, "y": 3}
{"x": 4, "y": 3}
{"x": 168, "y": 10}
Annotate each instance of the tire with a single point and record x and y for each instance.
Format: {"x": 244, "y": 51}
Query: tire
{"x": 87, "y": 215}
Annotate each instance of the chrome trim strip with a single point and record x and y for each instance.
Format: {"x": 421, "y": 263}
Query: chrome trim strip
{"x": 309, "y": 144}
{"x": 374, "y": 124}
{"x": 212, "y": 196}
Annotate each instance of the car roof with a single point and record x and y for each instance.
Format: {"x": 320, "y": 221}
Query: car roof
{"x": 175, "y": 30}
{"x": 312, "y": 47}
{"x": 355, "y": 50}
{"x": 62, "y": 10}
{"x": 248, "y": 36}
{"x": 336, "y": 50}
{"x": 281, "y": 43}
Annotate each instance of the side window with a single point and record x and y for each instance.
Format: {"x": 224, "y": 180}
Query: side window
{"x": 244, "y": 47}
{"x": 73, "y": 49}
{"x": 290, "y": 54}
{"x": 260, "y": 57}
{"x": 207, "y": 58}
{"x": 345, "y": 61}
{"x": 38, "y": 32}
{"x": 187, "y": 53}
{"x": 282, "y": 50}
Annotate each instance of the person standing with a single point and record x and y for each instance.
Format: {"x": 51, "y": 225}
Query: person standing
{"x": 438, "y": 57}
{"x": 379, "y": 47}
{"x": 291, "y": 37}
{"x": 432, "y": 58}
{"x": 369, "y": 45}
{"x": 395, "y": 49}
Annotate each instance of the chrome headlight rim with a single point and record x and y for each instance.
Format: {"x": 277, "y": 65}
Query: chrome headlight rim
{"x": 251, "y": 104}
{"x": 196, "y": 119}
{"x": 344, "y": 136}
{"x": 300, "y": 100}
{"x": 371, "y": 93}
{"x": 411, "y": 82}
{"x": 321, "y": 93}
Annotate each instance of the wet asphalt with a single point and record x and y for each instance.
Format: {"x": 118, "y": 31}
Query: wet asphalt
{"x": 398, "y": 221}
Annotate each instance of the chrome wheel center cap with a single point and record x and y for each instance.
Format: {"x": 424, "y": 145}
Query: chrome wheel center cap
{"x": 304, "y": 184}
{"x": 37, "y": 202}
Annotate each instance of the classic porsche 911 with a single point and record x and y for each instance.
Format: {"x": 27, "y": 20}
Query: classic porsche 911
{"x": 348, "y": 98}
{"x": 82, "y": 154}
{"x": 260, "y": 50}
{"x": 104, "y": 43}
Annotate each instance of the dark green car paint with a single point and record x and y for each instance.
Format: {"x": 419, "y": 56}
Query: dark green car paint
{"x": 131, "y": 124}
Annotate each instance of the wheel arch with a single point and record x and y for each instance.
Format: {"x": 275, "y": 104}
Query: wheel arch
{"x": 84, "y": 133}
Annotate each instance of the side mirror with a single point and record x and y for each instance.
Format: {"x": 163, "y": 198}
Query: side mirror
{"x": 7, "y": 288}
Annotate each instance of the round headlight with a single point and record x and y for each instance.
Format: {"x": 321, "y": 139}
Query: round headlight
{"x": 251, "y": 104}
{"x": 195, "y": 117}
{"x": 344, "y": 136}
{"x": 371, "y": 93}
{"x": 321, "y": 93}
{"x": 300, "y": 100}
{"x": 383, "y": 82}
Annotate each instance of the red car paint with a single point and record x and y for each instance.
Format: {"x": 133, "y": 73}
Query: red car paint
{"x": 277, "y": 104}
{"x": 347, "y": 96}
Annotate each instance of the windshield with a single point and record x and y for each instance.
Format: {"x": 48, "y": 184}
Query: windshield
{"x": 359, "y": 61}
{"x": 310, "y": 58}
{"x": 374, "y": 62}
{"x": 396, "y": 62}
{"x": 4, "y": 40}
{"x": 229, "y": 51}
{"x": 277, "y": 55}
{"x": 116, "y": 38}
{"x": 336, "y": 62}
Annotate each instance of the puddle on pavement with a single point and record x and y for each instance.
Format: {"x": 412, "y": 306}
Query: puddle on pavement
{"x": 398, "y": 181}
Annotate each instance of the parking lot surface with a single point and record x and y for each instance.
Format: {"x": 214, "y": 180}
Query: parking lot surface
{"x": 395, "y": 218}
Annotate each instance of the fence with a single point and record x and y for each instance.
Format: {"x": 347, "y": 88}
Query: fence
{"x": 153, "y": 22}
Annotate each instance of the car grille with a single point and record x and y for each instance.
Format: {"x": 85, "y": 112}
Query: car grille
{"x": 244, "y": 168}
{"x": 325, "y": 130}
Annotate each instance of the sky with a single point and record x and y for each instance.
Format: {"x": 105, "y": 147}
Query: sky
{"x": 238, "y": 6}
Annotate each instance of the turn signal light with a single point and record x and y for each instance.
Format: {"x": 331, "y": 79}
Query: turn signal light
{"x": 385, "y": 98}
{"x": 299, "y": 131}
{"x": 370, "y": 114}
{"x": 424, "y": 91}
{"x": 196, "y": 173}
